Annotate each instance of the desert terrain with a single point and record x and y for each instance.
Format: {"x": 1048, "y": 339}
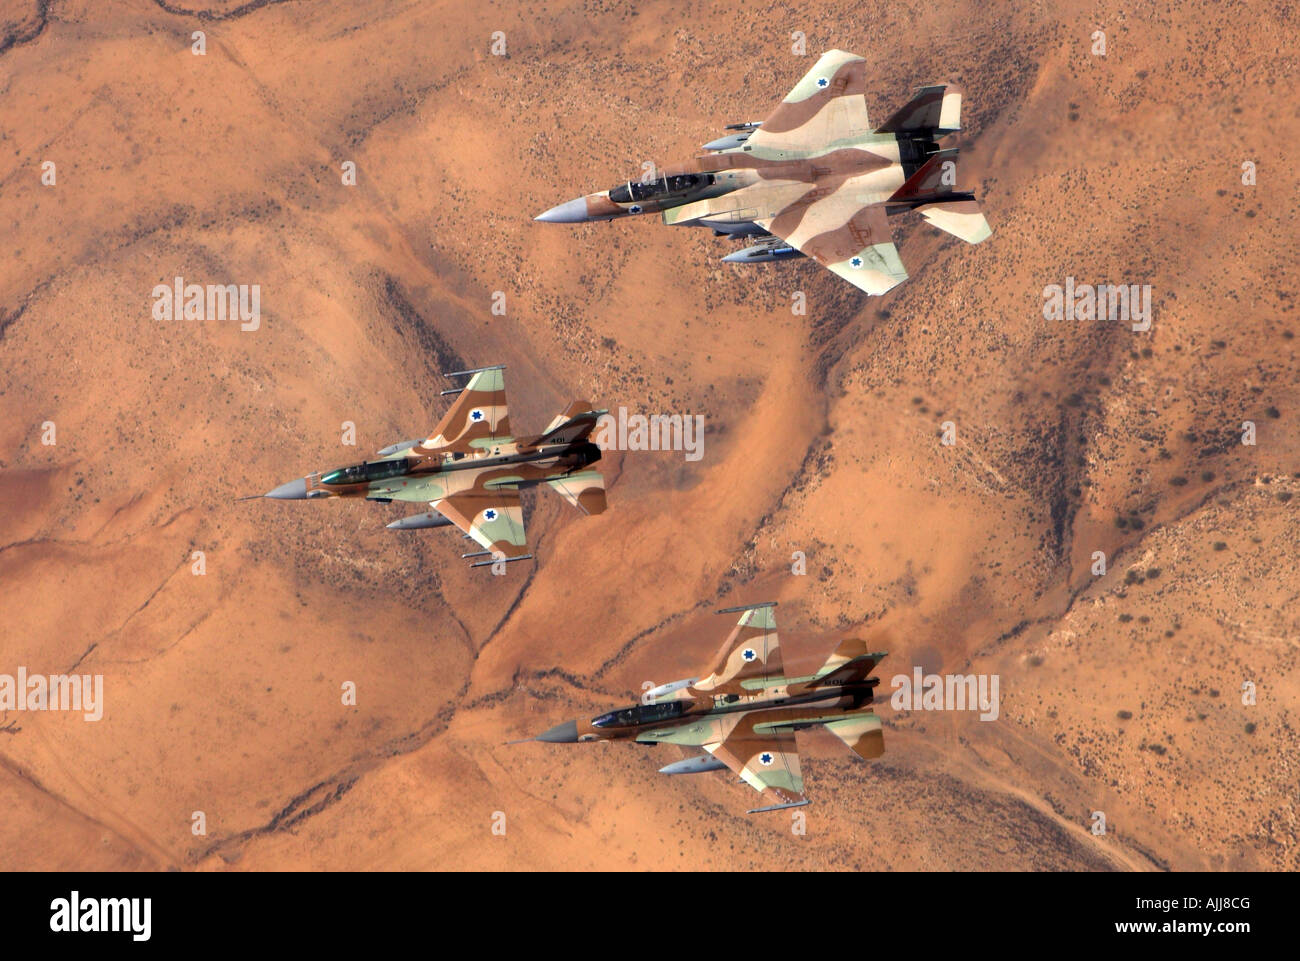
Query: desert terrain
{"x": 1120, "y": 692}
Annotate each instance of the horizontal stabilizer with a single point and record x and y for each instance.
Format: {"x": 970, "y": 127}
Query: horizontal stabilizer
{"x": 861, "y": 732}
{"x": 585, "y": 490}
{"x": 961, "y": 218}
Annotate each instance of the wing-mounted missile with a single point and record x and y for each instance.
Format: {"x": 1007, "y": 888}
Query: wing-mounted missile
{"x": 419, "y": 522}
{"x": 392, "y": 449}
{"x": 726, "y": 143}
{"x": 694, "y": 765}
{"x": 732, "y": 141}
{"x": 465, "y": 373}
{"x": 664, "y": 689}
{"x": 763, "y": 252}
{"x": 779, "y": 807}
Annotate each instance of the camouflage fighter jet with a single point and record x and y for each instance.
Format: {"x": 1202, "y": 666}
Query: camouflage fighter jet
{"x": 814, "y": 179}
{"x": 470, "y": 470}
{"x": 745, "y": 711}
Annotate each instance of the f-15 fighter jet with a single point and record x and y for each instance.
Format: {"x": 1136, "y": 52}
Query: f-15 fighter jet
{"x": 470, "y": 470}
{"x": 744, "y": 712}
{"x": 814, "y": 179}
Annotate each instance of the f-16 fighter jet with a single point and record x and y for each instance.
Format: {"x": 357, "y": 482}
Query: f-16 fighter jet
{"x": 744, "y": 712}
{"x": 814, "y": 178}
{"x": 470, "y": 470}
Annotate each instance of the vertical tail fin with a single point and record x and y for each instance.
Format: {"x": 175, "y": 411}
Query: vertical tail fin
{"x": 850, "y": 663}
{"x": 935, "y": 178}
{"x": 578, "y": 420}
{"x": 933, "y": 193}
{"x": 935, "y": 109}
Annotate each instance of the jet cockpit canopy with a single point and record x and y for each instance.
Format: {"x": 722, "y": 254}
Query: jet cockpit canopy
{"x": 641, "y": 714}
{"x": 636, "y": 192}
{"x": 366, "y": 473}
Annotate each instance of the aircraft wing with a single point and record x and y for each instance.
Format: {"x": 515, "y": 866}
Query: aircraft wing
{"x": 827, "y": 105}
{"x": 847, "y": 237}
{"x": 765, "y": 757}
{"x": 749, "y": 657}
{"x": 493, "y": 517}
{"x": 478, "y": 419}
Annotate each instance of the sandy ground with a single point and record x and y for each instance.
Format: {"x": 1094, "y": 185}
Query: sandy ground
{"x": 1120, "y": 693}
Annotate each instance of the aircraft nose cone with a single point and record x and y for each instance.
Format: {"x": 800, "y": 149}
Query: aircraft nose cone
{"x": 566, "y": 733}
{"x": 738, "y": 257}
{"x": 572, "y": 212}
{"x": 294, "y": 490}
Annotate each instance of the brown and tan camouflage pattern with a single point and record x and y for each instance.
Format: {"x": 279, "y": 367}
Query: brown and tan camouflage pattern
{"x": 478, "y": 421}
{"x": 815, "y": 175}
{"x": 751, "y": 652}
{"x": 933, "y": 107}
{"x": 470, "y": 469}
{"x": 745, "y": 712}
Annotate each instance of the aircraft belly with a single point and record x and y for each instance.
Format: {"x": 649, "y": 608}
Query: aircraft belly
{"x": 804, "y": 714}
{"x": 756, "y": 202}
{"x": 417, "y": 490}
{"x": 496, "y": 480}
{"x": 459, "y": 482}
{"x": 706, "y": 730}
{"x": 444, "y": 485}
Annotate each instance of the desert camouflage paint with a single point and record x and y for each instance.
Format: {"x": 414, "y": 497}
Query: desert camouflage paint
{"x": 471, "y": 469}
{"x": 814, "y": 178}
{"x": 744, "y": 712}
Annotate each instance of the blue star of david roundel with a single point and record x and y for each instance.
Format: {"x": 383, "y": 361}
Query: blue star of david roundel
{"x": 855, "y": 262}
{"x": 823, "y": 82}
{"x": 476, "y": 415}
{"x": 748, "y": 654}
{"x": 490, "y": 514}
{"x": 765, "y": 758}
{"x": 634, "y": 209}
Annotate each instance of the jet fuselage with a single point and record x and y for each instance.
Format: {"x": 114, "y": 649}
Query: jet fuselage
{"x": 696, "y": 193}
{"x": 800, "y": 706}
{"x": 423, "y": 473}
